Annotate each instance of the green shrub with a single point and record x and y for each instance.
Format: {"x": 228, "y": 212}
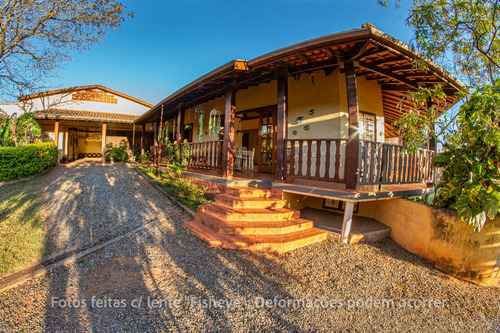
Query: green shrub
{"x": 118, "y": 153}
{"x": 183, "y": 189}
{"x": 146, "y": 158}
{"x": 18, "y": 162}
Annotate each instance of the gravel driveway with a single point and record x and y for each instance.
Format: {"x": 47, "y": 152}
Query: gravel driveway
{"x": 339, "y": 285}
{"x": 86, "y": 202}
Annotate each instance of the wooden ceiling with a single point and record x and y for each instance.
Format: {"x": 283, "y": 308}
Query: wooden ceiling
{"x": 376, "y": 57}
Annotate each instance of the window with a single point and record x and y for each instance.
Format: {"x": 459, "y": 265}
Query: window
{"x": 367, "y": 126}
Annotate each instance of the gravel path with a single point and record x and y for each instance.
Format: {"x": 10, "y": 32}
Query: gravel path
{"x": 86, "y": 202}
{"x": 109, "y": 290}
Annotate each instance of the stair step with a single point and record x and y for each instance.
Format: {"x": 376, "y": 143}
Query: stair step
{"x": 248, "y": 214}
{"x": 252, "y": 227}
{"x": 206, "y": 234}
{"x": 252, "y": 202}
{"x": 246, "y": 192}
{"x": 276, "y": 243}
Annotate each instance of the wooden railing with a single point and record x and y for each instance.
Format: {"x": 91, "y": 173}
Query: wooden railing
{"x": 381, "y": 163}
{"x": 378, "y": 163}
{"x": 320, "y": 159}
{"x": 204, "y": 155}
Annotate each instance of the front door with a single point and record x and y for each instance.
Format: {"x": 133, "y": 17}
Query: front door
{"x": 266, "y": 158}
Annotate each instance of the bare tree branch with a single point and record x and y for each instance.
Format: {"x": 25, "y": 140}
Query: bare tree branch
{"x": 36, "y": 37}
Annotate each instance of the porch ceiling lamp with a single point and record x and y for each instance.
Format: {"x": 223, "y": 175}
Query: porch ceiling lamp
{"x": 239, "y": 132}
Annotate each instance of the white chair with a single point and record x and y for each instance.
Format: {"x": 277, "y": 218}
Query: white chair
{"x": 239, "y": 157}
{"x": 249, "y": 160}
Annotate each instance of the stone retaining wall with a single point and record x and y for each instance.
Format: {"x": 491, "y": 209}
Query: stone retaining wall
{"x": 437, "y": 235}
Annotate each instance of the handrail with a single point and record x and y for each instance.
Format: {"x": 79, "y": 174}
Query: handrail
{"x": 204, "y": 155}
{"x": 381, "y": 163}
{"x": 317, "y": 159}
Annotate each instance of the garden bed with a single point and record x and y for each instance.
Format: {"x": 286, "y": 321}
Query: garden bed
{"x": 184, "y": 190}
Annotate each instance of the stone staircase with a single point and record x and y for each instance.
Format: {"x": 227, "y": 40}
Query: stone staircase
{"x": 251, "y": 218}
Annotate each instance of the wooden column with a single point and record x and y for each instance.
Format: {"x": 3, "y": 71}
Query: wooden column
{"x": 346, "y": 225}
{"x": 159, "y": 143}
{"x": 228, "y": 144}
{"x": 56, "y": 140}
{"x": 352, "y": 146}
{"x": 180, "y": 125}
{"x": 66, "y": 144}
{"x": 431, "y": 142}
{"x": 103, "y": 142}
{"x": 143, "y": 134}
{"x": 155, "y": 143}
{"x": 281, "y": 126}
{"x": 133, "y": 139}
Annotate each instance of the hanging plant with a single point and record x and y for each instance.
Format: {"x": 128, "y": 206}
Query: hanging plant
{"x": 214, "y": 122}
{"x": 200, "y": 112}
{"x": 165, "y": 133}
{"x": 174, "y": 131}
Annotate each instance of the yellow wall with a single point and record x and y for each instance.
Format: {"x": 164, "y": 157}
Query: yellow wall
{"x": 264, "y": 94}
{"x": 325, "y": 94}
{"x": 191, "y": 117}
{"x": 438, "y": 236}
{"x": 88, "y": 147}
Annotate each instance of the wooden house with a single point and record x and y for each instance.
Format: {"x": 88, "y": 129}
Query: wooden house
{"x": 318, "y": 117}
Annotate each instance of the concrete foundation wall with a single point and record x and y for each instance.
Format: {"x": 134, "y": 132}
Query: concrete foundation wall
{"x": 438, "y": 236}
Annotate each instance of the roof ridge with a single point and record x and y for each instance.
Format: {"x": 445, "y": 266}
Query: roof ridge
{"x": 85, "y": 87}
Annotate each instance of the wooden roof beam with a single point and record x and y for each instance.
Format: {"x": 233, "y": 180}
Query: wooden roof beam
{"x": 396, "y": 87}
{"x": 389, "y": 74}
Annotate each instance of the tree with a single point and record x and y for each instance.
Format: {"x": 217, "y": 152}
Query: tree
{"x": 470, "y": 183}
{"x": 37, "y": 36}
{"x": 464, "y": 35}
{"x": 16, "y": 130}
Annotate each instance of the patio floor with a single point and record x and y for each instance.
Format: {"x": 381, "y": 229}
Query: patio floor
{"x": 363, "y": 229}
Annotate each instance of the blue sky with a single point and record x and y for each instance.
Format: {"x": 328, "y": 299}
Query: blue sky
{"x": 170, "y": 43}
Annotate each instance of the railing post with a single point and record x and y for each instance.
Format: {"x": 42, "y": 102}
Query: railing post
{"x": 352, "y": 147}
{"x": 228, "y": 144}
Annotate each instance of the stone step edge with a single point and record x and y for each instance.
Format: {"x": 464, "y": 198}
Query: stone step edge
{"x": 245, "y": 192}
{"x": 218, "y": 225}
{"x": 234, "y": 202}
{"x": 248, "y": 211}
{"x": 286, "y": 242}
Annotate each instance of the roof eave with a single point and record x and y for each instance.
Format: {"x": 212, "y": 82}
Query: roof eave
{"x": 225, "y": 69}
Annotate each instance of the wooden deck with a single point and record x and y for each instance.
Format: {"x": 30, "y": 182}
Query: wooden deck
{"x": 329, "y": 190}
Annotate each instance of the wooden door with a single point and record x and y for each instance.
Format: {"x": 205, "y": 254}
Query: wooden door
{"x": 266, "y": 154}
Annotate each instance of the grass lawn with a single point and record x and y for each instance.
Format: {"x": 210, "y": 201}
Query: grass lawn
{"x": 22, "y": 235}
{"x": 184, "y": 190}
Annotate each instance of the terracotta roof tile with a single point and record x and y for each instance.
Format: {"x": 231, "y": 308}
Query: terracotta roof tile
{"x": 59, "y": 114}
